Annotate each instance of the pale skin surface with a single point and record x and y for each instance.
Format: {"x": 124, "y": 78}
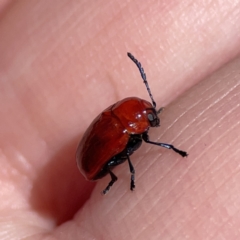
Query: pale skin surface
{"x": 62, "y": 63}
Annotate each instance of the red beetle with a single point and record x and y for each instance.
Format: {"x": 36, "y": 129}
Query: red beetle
{"x": 117, "y": 133}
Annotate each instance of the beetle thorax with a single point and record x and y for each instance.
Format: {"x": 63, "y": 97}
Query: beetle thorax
{"x": 133, "y": 114}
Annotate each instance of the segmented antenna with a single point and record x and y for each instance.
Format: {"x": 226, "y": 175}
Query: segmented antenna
{"x": 143, "y": 75}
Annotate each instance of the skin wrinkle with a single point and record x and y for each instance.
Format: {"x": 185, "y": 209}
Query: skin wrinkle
{"x": 165, "y": 130}
{"x": 158, "y": 199}
{"x": 222, "y": 150}
{"x": 123, "y": 217}
{"x": 109, "y": 209}
{"x": 152, "y": 186}
{"x": 182, "y": 193}
{"x": 213, "y": 125}
{"x": 186, "y": 111}
{"x": 205, "y": 110}
{"x": 189, "y": 217}
{"x": 227, "y": 113}
{"x": 209, "y": 197}
{"x": 228, "y": 222}
{"x": 222, "y": 226}
{"x": 139, "y": 177}
{"x": 213, "y": 143}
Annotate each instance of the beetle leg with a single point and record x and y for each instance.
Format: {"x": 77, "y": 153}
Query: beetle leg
{"x": 132, "y": 171}
{"x": 113, "y": 180}
{"x": 165, "y": 145}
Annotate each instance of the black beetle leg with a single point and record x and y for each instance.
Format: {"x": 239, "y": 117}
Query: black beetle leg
{"x": 132, "y": 171}
{"x": 113, "y": 180}
{"x": 145, "y": 137}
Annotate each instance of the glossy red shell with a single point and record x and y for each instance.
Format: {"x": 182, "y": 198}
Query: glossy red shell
{"x": 109, "y": 133}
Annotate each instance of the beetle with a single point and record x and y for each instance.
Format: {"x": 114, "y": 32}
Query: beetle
{"x": 116, "y": 133}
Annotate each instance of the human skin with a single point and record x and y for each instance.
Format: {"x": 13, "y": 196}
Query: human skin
{"x": 63, "y": 62}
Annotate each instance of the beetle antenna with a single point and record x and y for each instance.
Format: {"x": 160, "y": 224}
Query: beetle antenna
{"x": 143, "y": 75}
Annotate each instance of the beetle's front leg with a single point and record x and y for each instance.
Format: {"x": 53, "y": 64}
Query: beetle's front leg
{"x": 145, "y": 137}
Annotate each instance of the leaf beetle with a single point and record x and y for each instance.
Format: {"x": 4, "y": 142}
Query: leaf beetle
{"x": 116, "y": 133}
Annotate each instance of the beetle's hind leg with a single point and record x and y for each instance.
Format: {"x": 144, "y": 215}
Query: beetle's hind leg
{"x": 113, "y": 180}
{"x": 132, "y": 171}
{"x": 119, "y": 159}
